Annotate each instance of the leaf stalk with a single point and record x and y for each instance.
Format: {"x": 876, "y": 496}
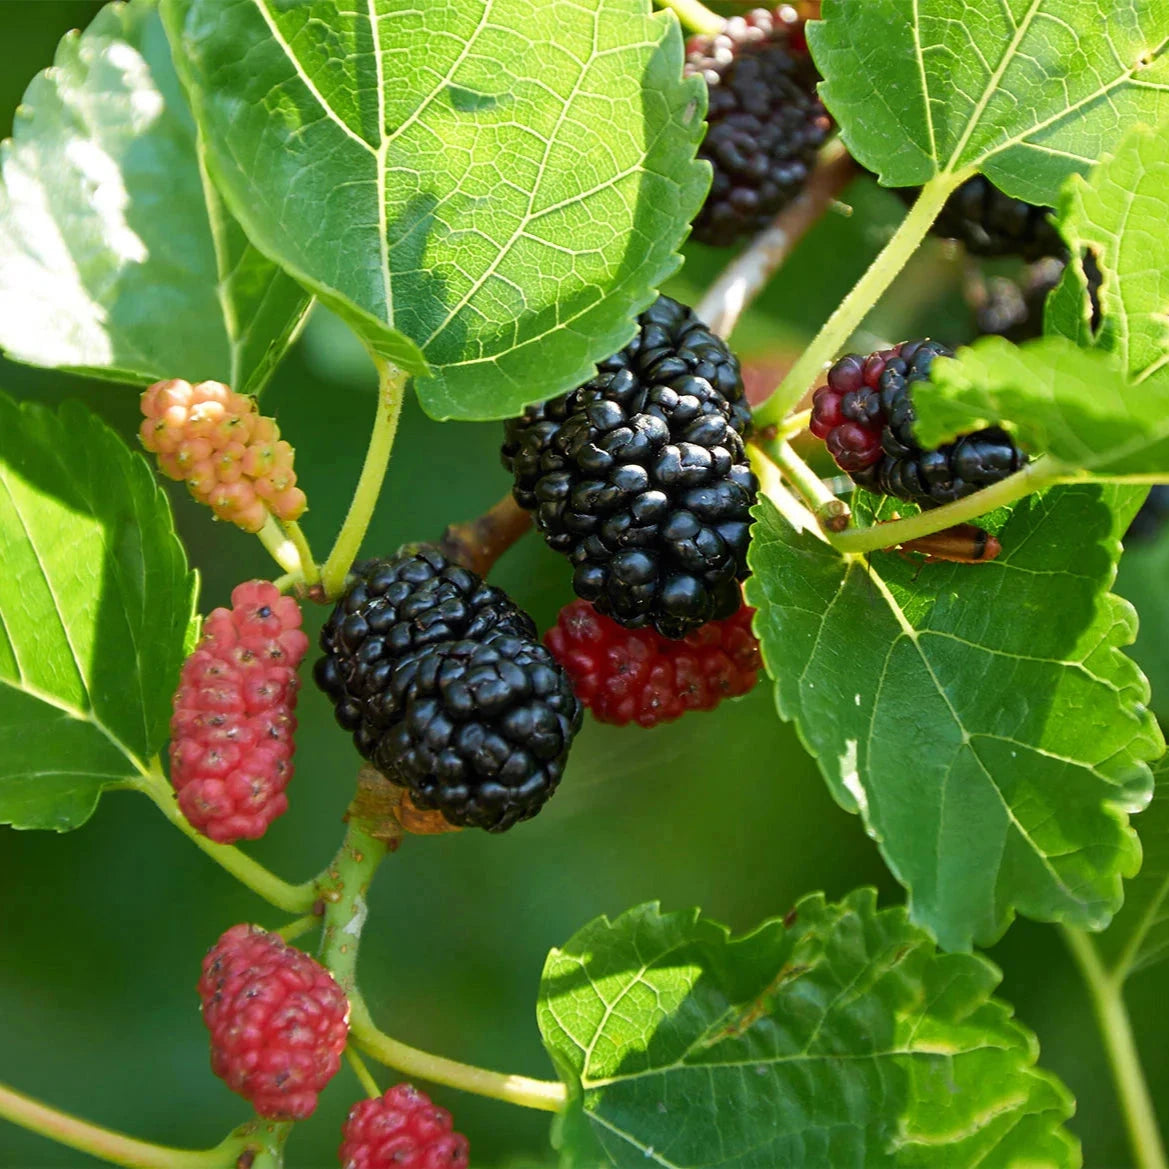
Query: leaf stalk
{"x": 391, "y": 394}
{"x": 694, "y": 17}
{"x": 841, "y": 325}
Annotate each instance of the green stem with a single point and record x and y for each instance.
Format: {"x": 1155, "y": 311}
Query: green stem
{"x": 279, "y": 546}
{"x": 291, "y": 898}
{"x": 115, "y": 1147}
{"x": 299, "y": 927}
{"x": 391, "y": 394}
{"x": 772, "y": 485}
{"x": 344, "y": 891}
{"x": 1043, "y": 472}
{"x": 308, "y": 565}
{"x": 841, "y": 325}
{"x": 1116, "y": 1031}
{"x": 363, "y": 1074}
{"x": 799, "y": 474}
{"x": 694, "y": 17}
{"x": 794, "y": 424}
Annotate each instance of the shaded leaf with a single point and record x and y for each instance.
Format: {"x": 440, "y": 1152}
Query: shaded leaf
{"x": 1075, "y": 404}
{"x": 1027, "y": 91}
{"x": 981, "y": 719}
{"x": 115, "y": 259}
{"x": 487, "y": 193}
{"x": 1117, "y": 215}
{"x": 844, "y": 1040}
{"x": 95, "y": 608}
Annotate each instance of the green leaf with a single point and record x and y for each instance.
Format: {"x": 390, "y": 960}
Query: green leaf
{"x": 1139, "y": 934}
{"x": 981, "y": 718}
{"x": 116, "y": 260}
{"x": 1118, "y": 215}
{"x": 1027, "y": 91}
{"x": 95, "y": 605}
{"x": 1076, "y": 404}
{"x": 843, "y": 1040}
{"x": 486, "y": 193}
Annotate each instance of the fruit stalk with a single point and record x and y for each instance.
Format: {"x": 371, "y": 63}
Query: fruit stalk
{"x": 833, "y": 337}
{"x": 391, "y": 394}
{"x": 749, "y": 272}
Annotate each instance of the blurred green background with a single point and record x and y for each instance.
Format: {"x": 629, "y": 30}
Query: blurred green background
{"x": 102, "y": 930}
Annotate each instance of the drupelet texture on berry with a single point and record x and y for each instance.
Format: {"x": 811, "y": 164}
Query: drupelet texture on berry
{"x": 865, "y": 416}
{"x": 990, "y": 223}
{"x": 401, "y": 1129}
{"x": 231, "y": 457}
{"x": 447, "y": 690}
{"x": 765, "y": 123}
{"x": 278, "y": 1021}
{"x": 640, "y": 476}
{"x": 636, "y": 675}
{"x": 232, "y": 730}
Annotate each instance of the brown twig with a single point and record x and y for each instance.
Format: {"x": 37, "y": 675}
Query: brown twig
{"x": 748, "y": 273}
{"x": 477, "y": 544}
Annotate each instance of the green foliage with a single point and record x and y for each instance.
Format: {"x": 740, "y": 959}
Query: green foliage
{"x": 115, "y": 259}
{"x": 982, "y": 720}
{"x": 487, "y": 194}
{"x": 1027, "y": 91}
{"x": 1076, "y": 404}
{"x": 1118, "y": 215}
{"x": 95, "y": 605}
{"x": 843, "y": 1038}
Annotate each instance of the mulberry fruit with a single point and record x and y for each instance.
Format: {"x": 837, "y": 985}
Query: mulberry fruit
{"x": 447, "y": 691}
{"x": 865, "y": 415}
{"x": 765, "y": 123}
{"x": 401, "y": 1130}
{"x": 989, "y": 223}
{"x": 231, "y": 457}
{"x": 278, "y": 1021}
{"x": 635, "y": 675}
{"x": 640, "y": 476}
{"x": 231, "y": 732}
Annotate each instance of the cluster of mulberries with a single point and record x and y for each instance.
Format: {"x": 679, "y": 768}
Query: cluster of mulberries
{"x": 231, "y": 732}
{"x": 401, "y": 1129}
{"x": 636, "y": 675}
{"x": 640, "y": 476}
{"x": 765, "y": 124}
{"x": 447, "y": 690}
{"x": 231, "y": 457}
{"x": 278, "y": 1021}
{"x": 865, "y": 416}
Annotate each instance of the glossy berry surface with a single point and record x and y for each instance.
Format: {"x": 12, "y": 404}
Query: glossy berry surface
{"x": 765, "y": 123}
{"x": 640, "y": 476}
{"x": 278, "y": 1021}
{"x": 865, "y": 416}
{"x": 230, "y": 456}
{"x": 447, "y": 690}
{"x": 401, "y": 1129}
{"x": 635, "y": 675}
{"x": 232, "y": 729}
